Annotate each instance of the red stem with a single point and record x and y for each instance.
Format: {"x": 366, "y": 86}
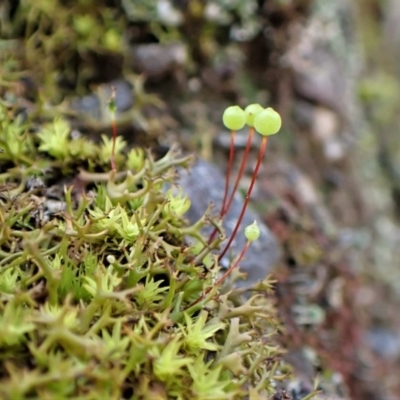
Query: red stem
{"x": 241, "y": 170}
{"x": 247, "y": 198}
{"x": 234, "y": 265}
{"x": 224, "y": 276}
{"x": 226, "y": 206}
{"x": 112, "y": 108}
{"x": 228, "y": 172}
{"x": 227, "y": 179}
{"x": 114, "y": 139}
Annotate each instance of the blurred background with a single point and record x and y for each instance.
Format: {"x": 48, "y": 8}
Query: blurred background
{"x": 329, "y": 187}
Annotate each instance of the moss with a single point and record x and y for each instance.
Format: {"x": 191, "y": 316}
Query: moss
{"x": 100, "y": 294}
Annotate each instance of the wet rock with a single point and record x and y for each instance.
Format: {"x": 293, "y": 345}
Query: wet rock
{"x": 204, "y": 183}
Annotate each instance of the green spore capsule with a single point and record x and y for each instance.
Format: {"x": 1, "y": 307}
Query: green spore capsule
{"x": 251, "y": 111}
{"x": 267, "y": 122}
{"x": 252, "y": 232}
{"x": 234, "y": 118}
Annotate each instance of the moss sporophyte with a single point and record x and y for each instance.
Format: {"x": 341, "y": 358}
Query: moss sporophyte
{"x": 267, "y": 122}
{"x": 100, "y": 294}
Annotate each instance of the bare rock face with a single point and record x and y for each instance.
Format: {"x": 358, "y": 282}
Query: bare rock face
{"x": 324, "y": 61}
{"x": 324, "y": 58}
{"x": 204, "y": 183}
{"x": 392, "y": 29}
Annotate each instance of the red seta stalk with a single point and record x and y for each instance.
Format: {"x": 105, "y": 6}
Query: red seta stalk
{"x": 247, "y": 198}
{"x": 228, "y": 174}
{"x": 221, "y": 280}
{"x": 226, "y": 204}
{"x": 114, "y": 135}
{"x": 241, "y": 170}
{"x": 112, "y": 107}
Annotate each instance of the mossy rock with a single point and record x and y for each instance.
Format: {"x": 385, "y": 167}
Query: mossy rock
{"x": 100, "y": 295}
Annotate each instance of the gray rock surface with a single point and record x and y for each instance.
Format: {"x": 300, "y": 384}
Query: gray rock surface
{"x": 204, "y": 183}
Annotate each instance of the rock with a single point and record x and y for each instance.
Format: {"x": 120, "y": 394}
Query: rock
{"x": 156, "y": 61}
{"x": 384, "y": 342}
{"x": 391, "y": 28}
{"x": 204, "y": 183}
{"x": 323, "y": 58}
